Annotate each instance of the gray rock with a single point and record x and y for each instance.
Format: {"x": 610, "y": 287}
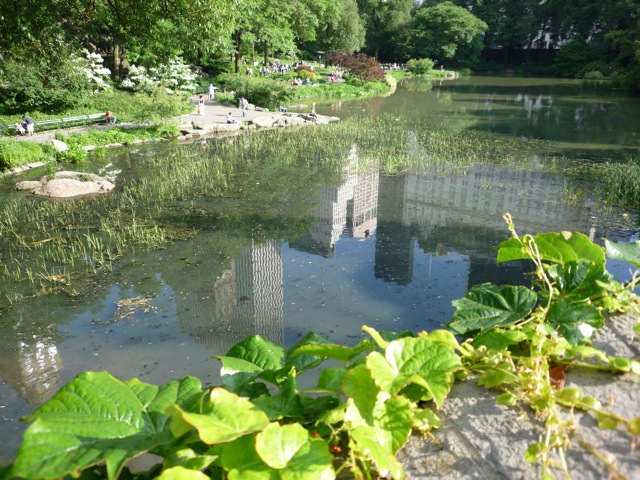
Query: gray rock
{"x": 482, "y": 440}
{"x": 59, "y": 146}
{"x": 66, "y": 184}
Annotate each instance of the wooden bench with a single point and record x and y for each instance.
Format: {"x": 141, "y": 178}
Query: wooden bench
{"x": 41, "y": 125}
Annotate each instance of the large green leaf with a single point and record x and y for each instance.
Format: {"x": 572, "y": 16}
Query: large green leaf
{"x": 181, "y": 473}
{"x": 554, "y": 248}
{"x": 264, "y": 354}
{"x": 276, "y": 445}
{"x": 575, "y": 322}
{"x": 237, "y": 374}
{"x": 360, "y": 386}
{"x": 305, "y": 362}
{"x": 629, "y": 252}
{"x": 286, "y": 404}
{"x": 96, "y": 418}
{"x": 242, "y": 462}
{"x": 225, "y": 416}
{"x": 579, "y": 280}
{"x": 415, "y": 360}
{"x": 393, "y": 420}
{"x": 385, "y": 460}
{"x": 487, "y": 306}
{"x": 341, "y": 353}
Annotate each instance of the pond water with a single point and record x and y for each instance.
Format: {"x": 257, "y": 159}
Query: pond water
{"x": 342, "y": 251}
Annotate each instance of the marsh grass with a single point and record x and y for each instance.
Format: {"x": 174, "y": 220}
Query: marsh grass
{"x": 258, "y": 186}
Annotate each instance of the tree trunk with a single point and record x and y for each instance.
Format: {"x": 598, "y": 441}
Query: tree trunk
{"x": 238, "y": 36}
{"x": 266, "y": 53}
{"x": 117, "y": 60}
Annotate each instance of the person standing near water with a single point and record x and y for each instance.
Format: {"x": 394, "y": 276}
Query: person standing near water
{"x": 201, "y": 105}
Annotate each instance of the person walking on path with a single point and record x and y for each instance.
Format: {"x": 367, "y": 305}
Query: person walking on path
{"x": 212, "y": 92}
{"x": 244, "y": 103}
{"x": 201, "y": 105}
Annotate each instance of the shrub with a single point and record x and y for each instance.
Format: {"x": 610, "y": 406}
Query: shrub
{"x": 174, "y": 77}
{"x": 128, "y": 107}
{"x": 265, "y": 92}
{"x": 14, "y": 153}
{"x": 362, "y": 66}
{"x": 420, "y": 66}
{"x": 28, "y": 86}
{"x": 75, "y": 154}
{"x": 593, "y": 75}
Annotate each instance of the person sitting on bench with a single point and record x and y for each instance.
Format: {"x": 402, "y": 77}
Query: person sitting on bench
{"x": 110, "y": 118}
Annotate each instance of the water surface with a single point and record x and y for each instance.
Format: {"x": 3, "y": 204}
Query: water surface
{"x": 358, "y": 248}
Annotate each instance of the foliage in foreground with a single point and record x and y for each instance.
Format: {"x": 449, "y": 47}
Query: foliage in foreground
{"x": 260, "y": 425}
{"x": 15, "y": 154}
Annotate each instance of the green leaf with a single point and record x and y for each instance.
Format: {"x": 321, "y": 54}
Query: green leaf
{"x": 237, "y": 374}
{"x": 606, "y": 422}
{"x": 384, "y": 459}
{"x": 425, "y": 420}
{"x": 312, "y": 408}
{"x": 181, "y": 473}
{"x": 340, "y": 353}
{"x": 330, "y": 379}
{"x": 579, "y": 280}
{"x": 393, "y": 420}
{"x": 264, "y": 354}
{"x": 534, "y": 452}
{"x": 569, "y": 397}
{"x": 312, "y": 461}
{"x": 305, "y": 362}
{"x": 487, "y": 306}
{"x": 359, "y": 386}
{"x": 507, "y": 399}
{"x": 276, "y": 445}
{"x": 444, "y": 337}
{"x": 411, "y": 357}
{"x": 225, "y": 417}
{"x": 96, "y": 418}
{"x": 557, "y": 248}
{"x": 627, "y": 252}
{"x": 242, "y": 462}
{"x": 499, "y": 339}
{"x": 494, "y": 377}
{"x": 575, "y": 322}
{"x": 286, "y": 404}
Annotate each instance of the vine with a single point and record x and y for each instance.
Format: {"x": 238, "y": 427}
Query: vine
{"x": 259, "y": 424}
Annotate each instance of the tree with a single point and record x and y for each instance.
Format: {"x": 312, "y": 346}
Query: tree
{"x": 385, "y": 21}
{"x": 441, "y": 31}
{"x": 343, "y": 31}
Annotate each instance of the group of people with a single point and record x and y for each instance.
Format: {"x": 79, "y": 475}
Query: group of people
{"x": 26, "y": 127}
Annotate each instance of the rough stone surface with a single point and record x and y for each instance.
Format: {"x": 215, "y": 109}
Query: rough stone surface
{"x": 482, "y": 440}
{"x": 66, "y": 184}
{"x": 59, "y": 146}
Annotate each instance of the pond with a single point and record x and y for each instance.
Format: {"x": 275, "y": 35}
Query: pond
{"x": 287, "y": 244}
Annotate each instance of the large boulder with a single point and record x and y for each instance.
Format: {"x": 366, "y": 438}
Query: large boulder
{"x": 67, "y": 184}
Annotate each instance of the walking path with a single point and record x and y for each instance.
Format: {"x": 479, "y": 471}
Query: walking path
{"x": 213, "y": 121}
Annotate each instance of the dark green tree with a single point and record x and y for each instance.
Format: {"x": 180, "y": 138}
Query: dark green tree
{"x": 447, "y": 32}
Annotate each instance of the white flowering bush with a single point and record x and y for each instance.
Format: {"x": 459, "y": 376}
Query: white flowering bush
{"x": 92, "y": 65}
{"x": 175, "y": 77}
{"x": 138, "y": 80}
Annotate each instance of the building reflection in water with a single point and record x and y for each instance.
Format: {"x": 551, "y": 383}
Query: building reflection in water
{"x": 32, "y": 368}
{"x": 350, "y": 209}
{"x": 245, "y": 300}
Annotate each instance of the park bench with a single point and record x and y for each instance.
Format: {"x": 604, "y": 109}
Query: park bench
{"x": 41, "y": 125}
